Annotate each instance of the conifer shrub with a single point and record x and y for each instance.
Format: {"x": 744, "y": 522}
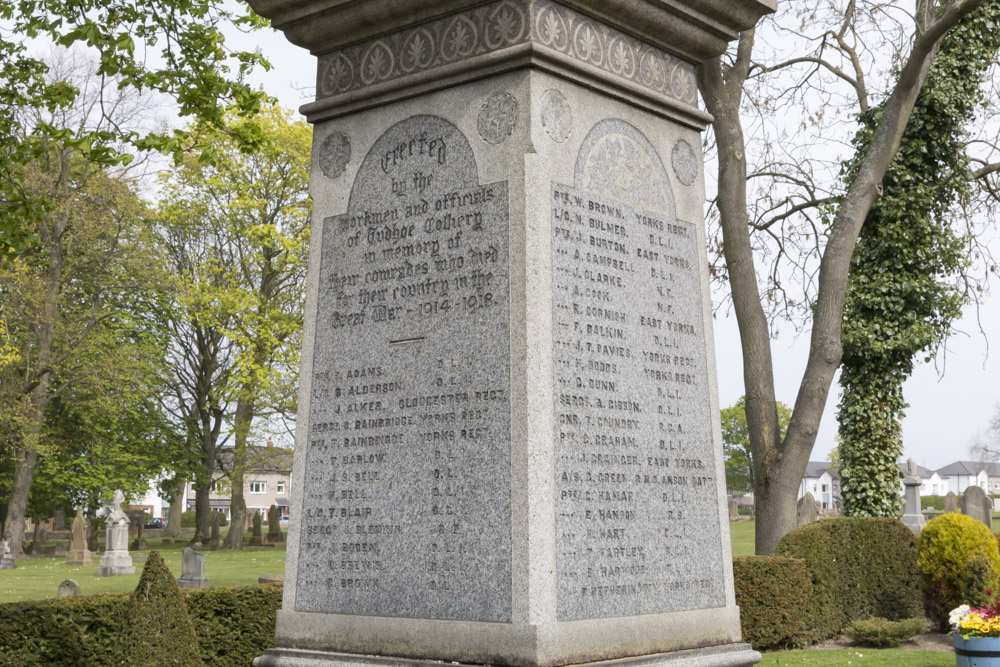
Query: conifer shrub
{"x": 235, "y": 625}
{"x": 772, "y": 592}
{"x": 883, "y": 633}
{"x": 860, "y": 567}
{"x": 158, "y": 630}
{"x": 947, "y": 545}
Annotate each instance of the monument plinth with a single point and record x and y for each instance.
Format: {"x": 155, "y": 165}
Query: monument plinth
{"x": 508, "y": 449}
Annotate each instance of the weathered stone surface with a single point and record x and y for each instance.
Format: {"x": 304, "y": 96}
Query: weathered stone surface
{"x": 976, "y": 503}
{"x": 271, "y": 579}
{"x": 951, "y": 502}
{"x": 807, "y": 510}
{"x": 414, "y": 350}
{"x": 734, "y": 509}
{"x": 507, "y": 449}
{"x": 116, "y": 561}
{"x": 913, "y": 516}
{"x": 68, "y": 589}
{"x": 257, "y": 537}
{"x": 215, "y": 540}
{"x": 7, "y": 561}
{"x": 192, "y": 569}
{"x": 78, "y": 552}
{"x": 274, "y": 533}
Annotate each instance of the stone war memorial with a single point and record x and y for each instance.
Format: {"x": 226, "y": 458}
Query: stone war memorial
{"x": 508, "y": 448}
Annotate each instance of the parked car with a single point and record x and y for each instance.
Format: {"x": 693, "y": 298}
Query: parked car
{"x": 283, "y": 521}
{"x": 156, "y": 523}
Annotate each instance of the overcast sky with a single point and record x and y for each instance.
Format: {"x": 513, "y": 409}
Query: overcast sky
{"x": 946, "y": 411}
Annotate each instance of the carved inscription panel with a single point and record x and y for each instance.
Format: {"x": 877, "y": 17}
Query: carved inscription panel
{"x": 406, "y": 507}
{"x": 636, "y": 499}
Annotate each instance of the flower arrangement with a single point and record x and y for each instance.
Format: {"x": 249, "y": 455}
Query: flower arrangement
{"x": 968, "y": 622}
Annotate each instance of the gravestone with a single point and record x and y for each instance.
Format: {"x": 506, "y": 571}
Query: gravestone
{"x": 61, "y": 550}
{"x": 79, "y": 554}
{"x": 271, "y": 579}
{"x": 913, "y": 516}
{"x": 508, "y": 448}
{"x": 7, "y": 561}
{"x": 136, "y": 524}
{"x": 59, "y": 520}
{"x": 976, "y": 503}
{"x": 257, "y": 537}
{"x": 274, "y": 533}
{"x": 192, "y": 569}
{"x": 215, "y": 540}
{"x": 68, "y": 589}
{"x": 951, "y": 502}
{"x": 734, "y": 510}
{"x": 806, "y": 511}
{"x": 116, "y": 561}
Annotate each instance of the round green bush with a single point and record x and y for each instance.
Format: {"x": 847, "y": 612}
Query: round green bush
{"x": 860, "y": 567}
{"x": 947, "y": 543}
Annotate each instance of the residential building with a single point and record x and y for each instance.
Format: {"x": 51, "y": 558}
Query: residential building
{"x": 933, "y": 483}
{"x": 960, "y": 475}
{"x": 266, "y": 481}
{"x": 821, "y": 480}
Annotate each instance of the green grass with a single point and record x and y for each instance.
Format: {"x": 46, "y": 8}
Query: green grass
{"x": 741, "y": 536}
{"x": 887, "y": 657}
{"x": 38, "y": 578}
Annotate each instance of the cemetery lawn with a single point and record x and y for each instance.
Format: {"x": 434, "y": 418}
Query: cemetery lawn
{"x": 38, "y": 578}
{"x": 886, "y": 657}
{"x": 741, "y": 536}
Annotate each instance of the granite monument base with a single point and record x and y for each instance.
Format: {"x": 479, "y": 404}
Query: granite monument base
{"x": 115, "y": 564}
{"x": 730, "y": 655}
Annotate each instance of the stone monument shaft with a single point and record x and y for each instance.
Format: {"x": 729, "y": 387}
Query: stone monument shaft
{"x": 508, "y": 448}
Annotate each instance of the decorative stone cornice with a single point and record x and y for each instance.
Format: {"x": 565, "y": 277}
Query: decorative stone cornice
{"x": 646, "y": 52}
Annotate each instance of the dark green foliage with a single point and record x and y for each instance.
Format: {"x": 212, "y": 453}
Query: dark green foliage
{"x": 234, "y": 625}
{"x": 947, "y": 543}
{"x": 977, "y": 589}
{"x": 903, "y": 292}
{"x": 75, "y": 632}
{"x": 772, "y": 592}
{"x": 860, "y": 567}
{"x": 159, "y": 631}
{"x": 883, "y": 633}
{"x": 927, "y": 502}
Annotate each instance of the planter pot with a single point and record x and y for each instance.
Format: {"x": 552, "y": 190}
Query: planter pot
{"x": 977, "y": 651}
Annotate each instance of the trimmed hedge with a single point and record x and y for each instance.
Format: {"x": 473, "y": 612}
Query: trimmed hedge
{"x": 861, "y": 567}
{"x": 882, "y": 633}
{"x": 772, "y": 592}
{"x": 234, "y": 625}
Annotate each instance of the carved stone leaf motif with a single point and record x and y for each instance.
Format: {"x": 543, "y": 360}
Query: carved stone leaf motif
{"x": 684, "y": 162}
{"x": 557, "y": 117}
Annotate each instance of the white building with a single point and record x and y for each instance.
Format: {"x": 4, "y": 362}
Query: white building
{"x": 822, "y": 482}
{"x": 960, "y": 475}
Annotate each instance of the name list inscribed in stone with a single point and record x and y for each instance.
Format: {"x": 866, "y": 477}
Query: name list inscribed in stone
{"x": 637, "y": 518}
{"x": 407, "y": 491}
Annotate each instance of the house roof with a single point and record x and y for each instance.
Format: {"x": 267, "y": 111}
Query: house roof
{"x": 816, "y": 469}
{"x": 970, "y": 468}
{"x": 259, "y": 459}
{"x": 922, "y": 472}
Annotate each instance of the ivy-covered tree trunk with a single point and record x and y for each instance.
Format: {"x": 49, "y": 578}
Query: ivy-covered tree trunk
{"x": 903, "y": 293}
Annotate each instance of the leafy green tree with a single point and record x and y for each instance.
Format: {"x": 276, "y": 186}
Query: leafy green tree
{"x": 905, "y": 290}
{"x": 250, "y": 290}
{"x": 736, "y": 444}
{"x": 73, "y": 300}
{"x": 172, "y": 47}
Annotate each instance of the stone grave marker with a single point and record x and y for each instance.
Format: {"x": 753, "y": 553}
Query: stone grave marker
{"x": 78, "y": 552}
{"x": 257, "y": 537}
{"x": 976, "y": 503}
{"x": 951, "y": 502}
{"x": 913, "y": 516}
{"x": 136, "y": 525}
{"x": 61, "y": 550}
{"x": 7, "y": 561}
{"x": 806, "y": 511}
{"x": 734, "y": 510}
{"x": 507, "y": 447}
{"x": 192, "y": 569}
{"x": 274, "y": 533}
{"x": 116, "y": 561}
{"x": 68, "y": 589}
